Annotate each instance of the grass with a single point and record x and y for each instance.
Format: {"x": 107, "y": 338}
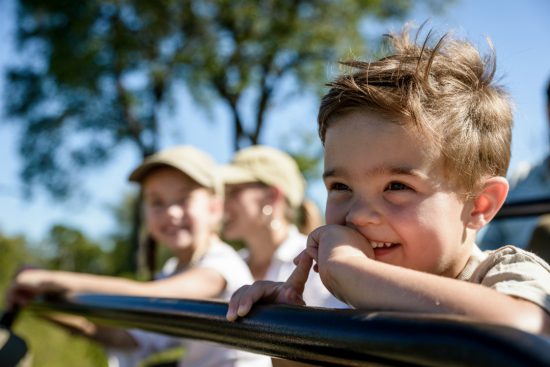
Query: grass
{"x": 50, "y": 346}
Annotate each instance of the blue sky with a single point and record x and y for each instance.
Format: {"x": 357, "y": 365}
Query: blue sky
{"x": 519, "y": 30}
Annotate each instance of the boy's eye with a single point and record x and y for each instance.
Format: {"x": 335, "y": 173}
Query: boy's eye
{"x": 396, "y": 186}
{"x": 338, "y": 186}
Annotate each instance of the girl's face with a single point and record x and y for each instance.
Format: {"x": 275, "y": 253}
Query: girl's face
{"x": 179, "y": 213}
{"x": 243, "y": 209}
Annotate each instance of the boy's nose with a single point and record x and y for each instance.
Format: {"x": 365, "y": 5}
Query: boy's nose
{"x": 362, "y": 213}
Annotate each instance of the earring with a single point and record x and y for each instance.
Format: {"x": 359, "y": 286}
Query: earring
{"x": 275, "y": 224}
{"x": 267, "y": 210}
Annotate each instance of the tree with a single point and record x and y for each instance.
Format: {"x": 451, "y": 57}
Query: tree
{"x": 97, "y": 73}
{"x": 14, "y": 255}
{"x": 249, "y": 49}
{"x": 71, "y": 250}
{"x": 123, "y": 257}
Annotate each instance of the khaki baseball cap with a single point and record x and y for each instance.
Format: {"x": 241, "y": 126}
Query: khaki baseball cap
{"x": 270, "y": 166}
{"x": 187, "y": 159}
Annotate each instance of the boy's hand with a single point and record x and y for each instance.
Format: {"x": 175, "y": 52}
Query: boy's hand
{"x": 334, "y": 241}
{"x": 289, "y": 292}
{"x": 331, "y": 244}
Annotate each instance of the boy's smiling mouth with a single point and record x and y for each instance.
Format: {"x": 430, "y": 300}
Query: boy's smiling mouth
{"x": 379, "y": 244}
{"x": 383, "y": 249}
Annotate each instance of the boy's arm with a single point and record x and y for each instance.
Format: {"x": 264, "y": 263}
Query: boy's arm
{"x": 372, "y": 285}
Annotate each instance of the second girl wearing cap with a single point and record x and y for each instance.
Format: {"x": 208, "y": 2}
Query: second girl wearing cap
{"x": 263, "y": 205}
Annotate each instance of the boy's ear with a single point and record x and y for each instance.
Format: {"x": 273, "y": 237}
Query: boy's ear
{"x": 488, "y": 202}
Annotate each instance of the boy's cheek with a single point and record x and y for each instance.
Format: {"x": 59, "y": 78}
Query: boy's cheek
{"x": 334, "y": 215}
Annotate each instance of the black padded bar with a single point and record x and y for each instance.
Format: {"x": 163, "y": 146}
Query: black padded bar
{"x": 524, "y": 208}
{"x": 320, "y": 336}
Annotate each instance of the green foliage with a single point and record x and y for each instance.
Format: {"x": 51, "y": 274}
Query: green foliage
{"x": 47, "y": 343}
{"x": 97, "y": 73}
{"x": 50, "y": 346}
{"x": 306, "y": 149}
{"x": 244, "y": 48}
{"x": 72, "y": 251}
{"x": 122, "y": 257}
{"x": 14, "y": 255}
{"x": 164, "y": 358}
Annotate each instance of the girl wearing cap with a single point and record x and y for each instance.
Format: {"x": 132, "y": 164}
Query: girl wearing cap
{"x": 183, "y": 206}
{"x": 264, "y": 199}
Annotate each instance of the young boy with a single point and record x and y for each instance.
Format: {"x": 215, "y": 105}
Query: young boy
{"x": 417, "y": 145}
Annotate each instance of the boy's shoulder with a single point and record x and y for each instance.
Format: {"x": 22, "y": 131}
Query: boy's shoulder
{"x": 510, "y": 270}
{"x": 504, "y": 262}
{"x": 503, "y": 258}
{"x": 510, "y": 254}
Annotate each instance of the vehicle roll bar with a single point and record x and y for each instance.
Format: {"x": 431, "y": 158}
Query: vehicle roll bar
{"x": 325, "y": 337}
{"x": 525, "y": 208}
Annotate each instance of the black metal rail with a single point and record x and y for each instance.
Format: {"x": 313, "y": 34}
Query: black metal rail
{"x": 320, "y": 336}
{"x": 524, "y": 208}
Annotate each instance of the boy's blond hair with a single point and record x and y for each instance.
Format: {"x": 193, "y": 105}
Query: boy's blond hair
{"x": 445, "y": 91}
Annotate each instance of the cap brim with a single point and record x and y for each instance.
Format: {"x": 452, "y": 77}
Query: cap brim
{"x": 139, "y": 174}
{"x": 233, "y": 175}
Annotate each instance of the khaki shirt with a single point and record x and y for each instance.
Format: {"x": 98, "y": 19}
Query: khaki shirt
{"x": 512, "y": 271}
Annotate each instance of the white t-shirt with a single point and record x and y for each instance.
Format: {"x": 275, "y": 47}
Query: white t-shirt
{"x": 225, "y": 260}
{"x": 282, "y": 265}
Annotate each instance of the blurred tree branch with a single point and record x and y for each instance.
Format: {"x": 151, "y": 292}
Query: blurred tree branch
{"x": 96, "y": 74}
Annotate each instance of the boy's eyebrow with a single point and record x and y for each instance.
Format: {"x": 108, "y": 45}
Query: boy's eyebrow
{"x": 378, "y": 171}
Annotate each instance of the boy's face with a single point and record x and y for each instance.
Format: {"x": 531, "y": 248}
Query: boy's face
{"x": 179, "y": 213}
{"x": 383, "y": 183}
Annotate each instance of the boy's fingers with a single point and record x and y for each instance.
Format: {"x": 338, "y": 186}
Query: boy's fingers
{"x": 293, "y": 297}
{"x": 298, "y": 278}
{"x": 234, "y": 303}
{"x": 244, "y": 307}
{"x": 312, "y": 246}
{"x": 296, "y": 260}
{"x": 244, "y": 298}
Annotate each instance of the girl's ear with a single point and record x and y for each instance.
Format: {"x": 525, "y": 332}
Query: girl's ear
{"x": 488, "y": 202}
{"x": 274, "y": 195}
{"x": 216, "y": 207}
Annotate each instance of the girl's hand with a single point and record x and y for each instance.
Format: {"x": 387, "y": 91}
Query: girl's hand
{"x": 31, "y": 283}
